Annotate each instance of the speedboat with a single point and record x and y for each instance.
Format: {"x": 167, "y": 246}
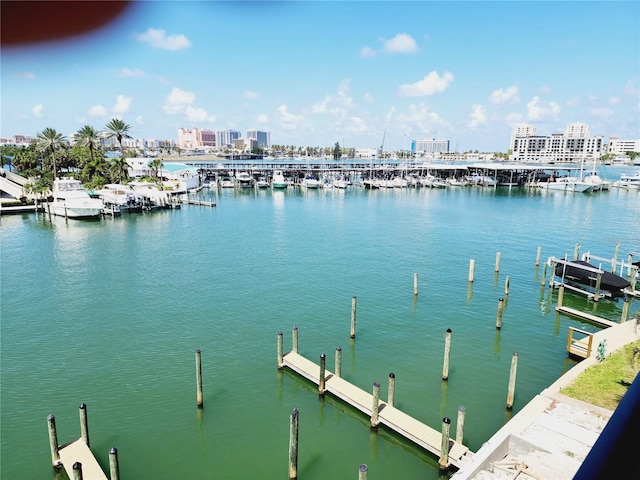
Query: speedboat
{"x": 569, "y": 184}
{"x": 585, "y": 274}
{"x": 310, "y": 181}
{"x": 278, "y": 180}
{"x": 71, "y": 200}
{"x": 630, "y": 182}
{"x": 244, "y": 179}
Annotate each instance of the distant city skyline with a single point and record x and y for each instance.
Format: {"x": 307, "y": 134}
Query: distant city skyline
{"x": 356, "y": 73}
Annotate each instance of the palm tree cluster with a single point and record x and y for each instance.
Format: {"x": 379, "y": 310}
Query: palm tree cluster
{"x": 51, "y": 153}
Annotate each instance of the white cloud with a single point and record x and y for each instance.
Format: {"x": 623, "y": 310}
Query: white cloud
{"x": 356, "y": 125}
{"x": 195, "y": 115}
{"x": 122, "y": 104}
{"x": 504, "y": 95}
{"x": 177, "y": 101}
{"x": 368, "y": 97}
{"x": 158, "y": 38}
{"x": 37, "y": 110}
{"x": 601, "y": 112}
{"x": 478, "y": 116}
{"x": 136, "y": 72}
{"x": 431, "y": 84}
{"x": 631, "y": 88}
{"x": 262, "y": 118}
{"x": 614, "y": 100}
{"x": 97, "y": 111}
{"x": 573, "y": 102}
{"x": 139, "y": 120}
{"x": 24, "y": 75}
{"x": 367, "y": 52}
{"x": 539, "y": 111}
{"x": 290, "y": 121}
{"x": 250, "y": 95}
{"x": 401, "y": 43}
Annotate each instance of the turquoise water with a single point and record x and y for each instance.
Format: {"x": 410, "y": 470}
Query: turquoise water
{"x": 110, "y": 313}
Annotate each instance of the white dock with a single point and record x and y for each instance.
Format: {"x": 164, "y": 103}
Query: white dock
{"x": 79, "y": 451}
{"x": 396, "y": 420}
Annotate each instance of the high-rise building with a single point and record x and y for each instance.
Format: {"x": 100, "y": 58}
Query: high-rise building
{"x": 573, "y": 146}
{"x": 263, "y": 138}
{"x": 430, "y": 146}
{"x": 225, "y": 138}
{"x": 621, "y": 147}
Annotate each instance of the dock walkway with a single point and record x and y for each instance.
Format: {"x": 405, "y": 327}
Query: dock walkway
{"x": 396, "y": 420}
{"x": 79, "y": 451}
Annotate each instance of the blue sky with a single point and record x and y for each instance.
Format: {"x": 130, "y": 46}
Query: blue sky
{"x": 316, "y": 73}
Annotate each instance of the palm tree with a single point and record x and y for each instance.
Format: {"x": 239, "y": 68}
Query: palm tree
{"x": 119, "y": 170}
{"x": 50, "y": 140}
{"x": 117, "y": 129}
{"x": 88, "y": 136}
{"x": 95, "y": 168}
{"x": 156, "y": 165}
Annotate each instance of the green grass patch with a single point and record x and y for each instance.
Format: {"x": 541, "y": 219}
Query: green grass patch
{"x": 605, "y": 383}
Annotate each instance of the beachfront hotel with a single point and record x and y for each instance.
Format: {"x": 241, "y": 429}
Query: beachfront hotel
{"x": 573, "y": 146}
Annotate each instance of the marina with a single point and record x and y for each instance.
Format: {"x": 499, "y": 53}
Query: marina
{"x": 112, "y": 312}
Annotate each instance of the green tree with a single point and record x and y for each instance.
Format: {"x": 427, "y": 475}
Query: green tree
{"x": 156, "y": 165}
{"x": 119, "y": 170}
{"x": 119, "y": 130}
{"x": 89, "y": 137}
{"x": 95, "y": 168}
{"x": 336, "y": 151}
{"x": 49, "y": 140}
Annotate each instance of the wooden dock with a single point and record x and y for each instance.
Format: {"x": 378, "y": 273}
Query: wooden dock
{"x": 403, "y": 424}
{"x": 79, "y": 451}
{"x": 599, "y": 321}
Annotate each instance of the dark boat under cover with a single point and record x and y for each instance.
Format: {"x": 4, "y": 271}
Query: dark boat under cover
{"x": 609, "y": 281}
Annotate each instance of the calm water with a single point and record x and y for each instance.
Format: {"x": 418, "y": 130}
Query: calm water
{"x": 110, "y": 313}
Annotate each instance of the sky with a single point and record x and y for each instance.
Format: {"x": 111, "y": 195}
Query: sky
{"x": 363, "y": 74}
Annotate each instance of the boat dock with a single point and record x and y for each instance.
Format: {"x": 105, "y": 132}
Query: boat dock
{"x": 389, "y": 416}
{"x": 79, "y": 452}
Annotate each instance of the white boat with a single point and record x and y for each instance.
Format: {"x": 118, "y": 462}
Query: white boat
{"x": 568, "y": 184}
{"x": 244, "y": 179}
{"x": 630, "y": 182}
{"x": 340, "y": 182}
{"x": 482, "y": 180}
{"x": 262, "y": 183}
{"x": 310, "y": 181}
{"x": 597, "y": 181}
{"x": 71, "y": 200}
{"x": 456, "y": 182}
{"x": 278, "y": 180}
{"x": 226, "y": 182}
{"x": 122, "y": 196}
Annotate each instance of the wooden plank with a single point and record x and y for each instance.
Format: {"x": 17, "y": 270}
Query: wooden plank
{"x": 78, "y": 451}
{"x": 586, "y": 316}
{"x": 396, "y": 420}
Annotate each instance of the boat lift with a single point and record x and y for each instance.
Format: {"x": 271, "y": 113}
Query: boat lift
{"x": 595, "y": 296}
{"x": 633, "y": 270}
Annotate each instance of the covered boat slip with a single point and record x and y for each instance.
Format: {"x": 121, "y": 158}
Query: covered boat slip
{"x": 583, "y": 277}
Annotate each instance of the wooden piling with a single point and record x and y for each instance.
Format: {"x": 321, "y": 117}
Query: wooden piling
{"x": 472, "y": 265}
{"x": 362, "y": 472}
{"x": 615, "y": 258}
{"x": 338, "y": 368}
{"x": 512, "y": 380}
{"x": 294, "y": 339}
{"x": 576, "y": 252}
{"x": 323, "y": 367}
{"x": 375, "y": 406}
{"x": 354, "y": 302}
{"x": 560, "y": 295}
{"x": 596, "y": 296}
{"x": 544, "y": 274}
{"x": 199, "y": 396}
{"x": 114, "y": 469}
{"x": 77, "y": 467}
{"x": 506, "y": 285}
{"x": 538, "y": 256}
{"x": 625, "y": 310}
{"x": 280, "y": 354}
{"x": 84, "y": 424}
{"x": 447, "y": 352}
{"x": 460, "y": 424}
{"x": 497, "y": 269}
{"x": 53, "y": 441}
{"x": 499, "y": 316}
{"x": 293, "y": 445}
{"x": 443, "y": 462}
{"x": 392, "y": 389}
{"x": 415, "y": 284}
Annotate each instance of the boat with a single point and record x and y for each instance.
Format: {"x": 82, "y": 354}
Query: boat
{"x": 568, "y": 184}
{"x": 244, "y": 179}
{"x": 340, "y": 182}
{"x": 226, "y": 182}
{"x": 278, "y": 180}
{"x": 582, "y": 273}
{"x": 599, "y": 183}
{"x": 122, "y": 196}
{"x": 262, "y": 183}
{"x": 71, "y": 200}
{"x": 630, "y": 182}
{"x": 310, "y": 181}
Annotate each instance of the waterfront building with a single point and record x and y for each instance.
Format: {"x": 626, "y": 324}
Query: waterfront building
{"x": 430, "y": 146}
{"x": 573, "y": 146}
{"x": 616, "y": 146}
{"x": 263, "y": 138}
{"x": 226, "y": 137}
